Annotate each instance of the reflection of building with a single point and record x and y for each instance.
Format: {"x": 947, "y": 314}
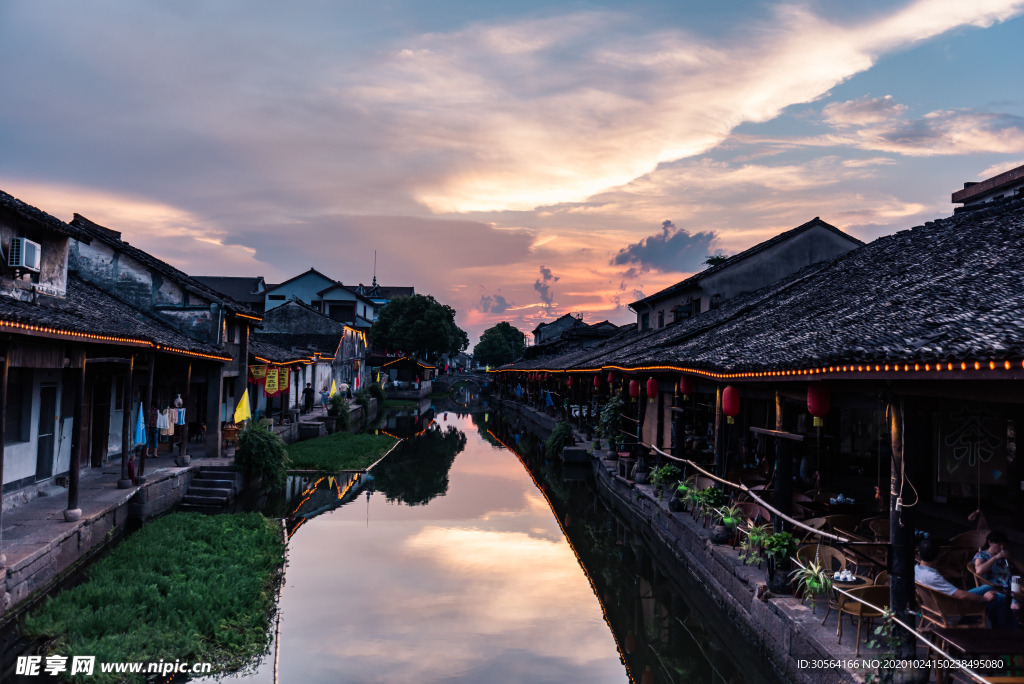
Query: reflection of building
{"x": 407, "y": 378}
{"x": 750, "y": 270}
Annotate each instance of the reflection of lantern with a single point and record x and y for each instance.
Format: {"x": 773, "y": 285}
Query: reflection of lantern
{"x": 597, "y": 382}
{"x": 568, "y": 520}
{"x": 685, "y": 386}
{"x": 819, "y": 400}
{"x": 648, "y": 676}
{"x": 731, "y": 402}
{"x": 652, "y": 388}
{"x": 634, "y": 389}
{"x": 568, "y": 382}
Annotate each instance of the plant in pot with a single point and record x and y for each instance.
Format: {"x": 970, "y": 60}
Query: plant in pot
{"x": 726, "y": 520}
{"x": 778, "y": 549}
{"x": 811, "y": 581}
{"x": 665, "y": 475}
{"x": 681, "y": 496}
{"x": 753, "y": 545}
{"x": 710, "y": 499}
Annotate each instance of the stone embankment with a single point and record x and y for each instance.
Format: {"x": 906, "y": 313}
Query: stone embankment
{"x": 783, "y": 629}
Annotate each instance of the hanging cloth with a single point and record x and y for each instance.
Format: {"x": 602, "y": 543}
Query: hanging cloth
{"x": 180, "y": 417}
{"x": 163, "y": 422}
{"x": 140, "y": 427}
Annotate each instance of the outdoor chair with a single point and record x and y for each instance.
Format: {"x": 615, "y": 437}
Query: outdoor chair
{"x": 942, "y": 610}
{"x": 816, "y": 523}
{"x": 821, "y": 497}
{"x": 880, "y": 527}
{"x": 875, "y": 595}
{"x": 972, "y": 540}
{"x": 846, "y": 522}
{"x": 799, "y": 513}
{"x": 882, "y": 578}
{"x": 952, "y": 564}
{"x": 874, "y": 557}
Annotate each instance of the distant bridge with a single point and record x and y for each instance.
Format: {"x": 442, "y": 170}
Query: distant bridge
{"x": 445, "y": 382}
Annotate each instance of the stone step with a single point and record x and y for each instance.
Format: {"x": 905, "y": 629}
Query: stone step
{"x": 207, "y": 501}
{"x": 203, "y": 483}
{"x": 219, "y": 469}
{"x": 209, "y": 492}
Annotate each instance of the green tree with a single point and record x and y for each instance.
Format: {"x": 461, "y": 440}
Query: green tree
{"x": 419, "y": 325}
{"x": 499, "y": 345}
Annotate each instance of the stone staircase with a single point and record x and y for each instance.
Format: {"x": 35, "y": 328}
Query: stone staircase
{"x": 212, "y": 487}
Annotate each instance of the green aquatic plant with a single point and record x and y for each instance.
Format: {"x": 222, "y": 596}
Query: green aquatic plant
{"x": 261, "y": 454}
{"x": 559, "y": 438}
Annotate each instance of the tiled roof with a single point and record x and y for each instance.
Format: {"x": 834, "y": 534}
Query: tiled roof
{"x": 240, "y": 289}
{"x": 39, "y": 217}
{"x": 760, "y": 247}
{"x": 113, "y": 238}
{"x": 271, "y": 352}
{"x": 950, "y": 289}
{"x": 323, "y": 343}
{"x": 89, "y": 310}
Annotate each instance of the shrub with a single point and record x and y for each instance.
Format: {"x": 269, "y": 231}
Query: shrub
{"x": 339, "y": 407}
{"x": 780, "y": 546}
{"x": 559, "y": 438}
{"x": 261, "y": 454}
{"x": 608, "y": 425}
{"x": 377, "y": 392}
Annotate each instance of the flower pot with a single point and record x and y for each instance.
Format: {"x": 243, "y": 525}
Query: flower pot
{"x": 778, "y": 580}
{"x": 720, "y": 534}
{"x": 641, "y": 477}
{"x": 331, "y": 423}
{"x": 675, "y": 504}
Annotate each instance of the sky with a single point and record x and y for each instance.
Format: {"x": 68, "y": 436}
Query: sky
{"x": 516, "y": 160}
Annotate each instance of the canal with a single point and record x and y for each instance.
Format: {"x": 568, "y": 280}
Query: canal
{"x": 465, "y": 560}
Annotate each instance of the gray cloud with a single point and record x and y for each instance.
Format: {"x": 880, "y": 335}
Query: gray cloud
{"x": 493, "y": 304}
{"x": 670, "y": 250}
{"x": 543, "y": 287}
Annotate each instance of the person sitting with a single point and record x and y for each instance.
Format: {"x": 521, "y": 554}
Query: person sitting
{"x": 993, "y": 563}
{"x": 998, "y": 608}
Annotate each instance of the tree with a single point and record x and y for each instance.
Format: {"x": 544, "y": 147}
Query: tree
{"x": 419, "y": 325}
{"x": 499, "y": 345}
{"x": 715, "y": 259}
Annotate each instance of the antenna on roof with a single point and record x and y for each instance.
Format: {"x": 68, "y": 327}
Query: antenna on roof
{"x": 375, "y": 268}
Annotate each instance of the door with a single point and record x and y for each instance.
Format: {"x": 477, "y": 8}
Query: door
{"x": 100, "y": 420}
{"x": 47, "y": 428}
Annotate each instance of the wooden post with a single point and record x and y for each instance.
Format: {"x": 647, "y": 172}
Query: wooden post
{"x": 660, "y": 440}
{"x": 783, "y": 467}
{"x": 147, "y": 408}
{"x": 720, "y": 444}
{"x": 4, "y": 365}
{"x": 73, "y": 512}
{"x": 678, "y": 425}
{"x": 126, "y": 425}
{"x": 901, "y": 572}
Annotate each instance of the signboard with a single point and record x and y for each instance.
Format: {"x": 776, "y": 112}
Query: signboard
{"x": 973, "y": 443}
{"x": 270, "y": 385}
{"x": 259, "y": 373}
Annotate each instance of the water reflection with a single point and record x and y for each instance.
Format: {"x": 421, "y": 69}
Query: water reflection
{"x": 417, "y": 470}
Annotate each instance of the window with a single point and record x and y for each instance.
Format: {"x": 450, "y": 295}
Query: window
{"x": 276, "y": 298}
{"x": 19, "y": 405}
{"x": 661, "y": 319}
{"x": 696, "y": 305}
{"x": 645, "y": 321}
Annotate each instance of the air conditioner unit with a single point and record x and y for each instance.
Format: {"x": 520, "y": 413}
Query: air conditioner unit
{"x": 24, "y": 254}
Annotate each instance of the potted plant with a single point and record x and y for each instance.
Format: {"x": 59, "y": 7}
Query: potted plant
{"x": 811, "y": 580}
{"x": 726, "y": 520}
{"x": 753, "y": 544}
{"x": 679, "y": 497}
{"x": 778, "y": 549}
{"x": 710, "y": 499}
{"x": 666, "y": 474}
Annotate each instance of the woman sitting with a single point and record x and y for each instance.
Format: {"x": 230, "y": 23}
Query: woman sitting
{"x": 993, "y": 563}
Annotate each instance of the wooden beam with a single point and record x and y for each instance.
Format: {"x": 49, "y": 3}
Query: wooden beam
{"x": 778, "y": 433}
{"x": 109, "y": 359}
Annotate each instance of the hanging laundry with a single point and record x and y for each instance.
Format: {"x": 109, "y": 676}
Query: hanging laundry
{"x": 163, "y": 423}
{"x": 179, "y": 418}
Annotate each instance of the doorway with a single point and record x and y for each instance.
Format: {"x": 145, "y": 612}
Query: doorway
{"x": 47, "y": 430}
{"x": 100, "y": 410}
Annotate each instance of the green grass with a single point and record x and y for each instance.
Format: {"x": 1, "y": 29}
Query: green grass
{"x": 437, "y": 395}
{"x": 340, "y": 451}
{"x": 399, "y": 403}
{"x": 188, "y": 586}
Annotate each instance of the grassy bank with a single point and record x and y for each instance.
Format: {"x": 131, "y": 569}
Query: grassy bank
{"x": 340, "y": 451}
{"x": 399, "y": 403}
{"x": 437, "y": 395}
{"x": 188, "y": 586}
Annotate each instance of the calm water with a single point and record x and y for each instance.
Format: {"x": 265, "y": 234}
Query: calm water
{"x": 465, "y": 561}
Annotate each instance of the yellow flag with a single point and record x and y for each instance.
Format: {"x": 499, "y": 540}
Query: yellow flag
{"x": 334, "y": 388}
{"x": 242, "y": 412}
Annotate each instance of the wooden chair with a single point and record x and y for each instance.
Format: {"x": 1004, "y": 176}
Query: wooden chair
{"x": 880, "y": 527}
{"x": 821, "y": 497}
{"x": 975, "y": 539}
{"x": 816, "y": 523}
{"x": 882, "y": 578}
{"x": 701, "y": 482}
{"x": 846, "y": 522}
{"x": 942, "y": 610}
{"x": 875, "y": 595}
{"x": 952, "y": 564}
{"x": 799, "y": 513}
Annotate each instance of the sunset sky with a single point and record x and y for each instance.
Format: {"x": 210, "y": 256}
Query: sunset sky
{"x": 517, "y": 160}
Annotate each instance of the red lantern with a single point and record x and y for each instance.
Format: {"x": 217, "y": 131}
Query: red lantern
{"x": 634, "y": 389}
{"x": 652, "y": 388}
{"x": 685, "y": 386}
{"x": 647, "y": 677}
{"x": 597, "y": 382}
{"x": 819, "y": 400}
{"x": 731, "y": 402}
{"x": 568, "y": 382}
{"x": 611, "y": 377}
{"x": 547, "y": 376}
{"x": 630, "y": 642}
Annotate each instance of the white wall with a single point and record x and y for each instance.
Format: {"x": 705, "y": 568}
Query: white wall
{"x": 304, "y": 287}
{"x": 20, "y": 458}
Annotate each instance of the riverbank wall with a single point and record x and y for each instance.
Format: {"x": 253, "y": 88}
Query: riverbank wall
{"x": 785, "y": 631}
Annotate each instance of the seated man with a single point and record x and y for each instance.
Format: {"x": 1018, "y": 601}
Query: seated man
{"x": 998, "y": 608}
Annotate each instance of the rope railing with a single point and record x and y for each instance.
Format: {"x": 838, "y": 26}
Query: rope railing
{"x": 744, "y": 488}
